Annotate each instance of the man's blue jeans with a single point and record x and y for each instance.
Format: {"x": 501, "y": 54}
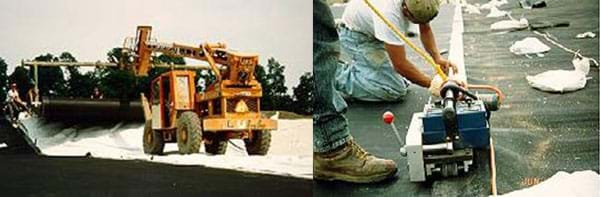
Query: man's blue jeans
{"x": 369, "y": 74}
{"x": 330, "y": 127}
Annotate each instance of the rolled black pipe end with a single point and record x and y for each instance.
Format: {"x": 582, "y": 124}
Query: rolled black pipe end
{"x": 90, "y": 110}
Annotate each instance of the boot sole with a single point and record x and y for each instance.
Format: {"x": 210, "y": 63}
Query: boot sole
{"x": 334, "y": 176}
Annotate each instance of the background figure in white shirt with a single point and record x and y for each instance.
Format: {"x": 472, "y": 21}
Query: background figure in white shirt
{"x": 15, "y": 104}
{"x": 378, "y": 69}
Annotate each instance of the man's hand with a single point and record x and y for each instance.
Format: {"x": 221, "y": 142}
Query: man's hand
{"x": 437, "y": 83}
{"x": 429, "y": 44}
{"x": 446, "y": 65}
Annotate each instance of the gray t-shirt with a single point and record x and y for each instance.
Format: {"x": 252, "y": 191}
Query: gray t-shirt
{"x": 359, "y": 17}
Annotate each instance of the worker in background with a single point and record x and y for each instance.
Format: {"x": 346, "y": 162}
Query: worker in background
{"x": 379, "y": 69}
{"x": 336, "y": 155}
{"x": 15, "y": 104}
{"x": 96, "y": 94}
{"x": 33, "y": 97}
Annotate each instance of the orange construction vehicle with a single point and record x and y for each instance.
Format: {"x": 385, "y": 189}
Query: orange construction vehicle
{"x": 229, "y": 108}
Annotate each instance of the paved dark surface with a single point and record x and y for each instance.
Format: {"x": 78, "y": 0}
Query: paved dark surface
{"x": 536, "y": 134}
{"x": 29, "y": 175}
{"x": 22, "y": 173}
{"x": 16, "y": 143}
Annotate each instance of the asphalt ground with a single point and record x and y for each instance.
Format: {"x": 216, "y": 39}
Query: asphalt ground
{"x": 536, "y": 134}
{"x": 31, "y": 175}
{"x": 23, "y": 173}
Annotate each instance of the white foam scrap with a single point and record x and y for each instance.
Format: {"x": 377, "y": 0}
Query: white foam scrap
{"x": 529, "y": 45}
{"x": 508, "y": 25}
{"x": 3, "y": 145}
{"x": 495, "y": 12}
{"x": 562, "y": 80}
{"x": 471, "y": 9}
{"x": 581, "y": 64}
{"x": 588, "y": 34}
{"x": 493, "y": 3}
{"x": 576, "y": 184}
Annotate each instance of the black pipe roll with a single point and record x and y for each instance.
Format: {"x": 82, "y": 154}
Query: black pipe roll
{"x": 78, "y": 109}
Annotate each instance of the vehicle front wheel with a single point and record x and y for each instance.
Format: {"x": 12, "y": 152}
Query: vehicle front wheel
{"x": 153, "y": 140}
{"x": 259, "y": 143}
{"x": 217, "y": 145}
{"x": 189, "y": 133}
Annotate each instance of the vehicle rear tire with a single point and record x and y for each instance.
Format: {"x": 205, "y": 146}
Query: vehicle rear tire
{"x": 189, "y": 133}
{"x": 153, "y": 140}
{"x": 218, "y": 145}
{"x": 260, "y": 142}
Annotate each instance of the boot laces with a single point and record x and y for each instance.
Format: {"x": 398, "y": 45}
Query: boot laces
{"x": 361, "y": 153}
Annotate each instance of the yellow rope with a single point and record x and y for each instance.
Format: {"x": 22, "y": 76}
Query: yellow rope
{"x": 427, "y": 58}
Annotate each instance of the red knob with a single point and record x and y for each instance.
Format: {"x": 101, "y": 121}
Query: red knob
{"x": 388, "y": 117}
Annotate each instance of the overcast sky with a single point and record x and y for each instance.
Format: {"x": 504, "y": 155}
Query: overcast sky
{"x": 88, "y": 29}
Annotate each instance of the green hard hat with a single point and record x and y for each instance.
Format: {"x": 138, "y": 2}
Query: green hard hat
{"x": 423, "y": 11}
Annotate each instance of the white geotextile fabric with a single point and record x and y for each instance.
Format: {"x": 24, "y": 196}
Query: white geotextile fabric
{"x": 508, "y": 25}
{"x": 290, "y": 153}
{"x": 562, "y": 80}
{"x": 495, "y": 12}
{"x": 576, "y": 184}
{"x": 529, "y": 45}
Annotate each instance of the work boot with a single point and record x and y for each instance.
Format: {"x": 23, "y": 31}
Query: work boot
{"x": 351, "y": 163}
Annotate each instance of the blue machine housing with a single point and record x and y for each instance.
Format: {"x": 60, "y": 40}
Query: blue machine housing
{"x": 473, "y": 127}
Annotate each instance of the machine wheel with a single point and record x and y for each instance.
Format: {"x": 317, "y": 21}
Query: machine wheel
{"x": 218, "y": 144}
{"x": 259, "y": 144}
{"x": 449, "y": 169}
{"x": 153, "y": 140}
{"x": 189, "y": 133}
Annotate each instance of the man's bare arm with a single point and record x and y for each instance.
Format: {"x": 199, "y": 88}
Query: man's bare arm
{"x": 428, "y": 40}
{"x": 406, "y": 68}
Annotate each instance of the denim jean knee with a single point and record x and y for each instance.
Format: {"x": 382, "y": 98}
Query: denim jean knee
{"x": 330, "y": 127}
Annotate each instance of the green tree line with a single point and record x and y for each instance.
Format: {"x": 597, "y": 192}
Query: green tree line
{"x": 122, "y": 84}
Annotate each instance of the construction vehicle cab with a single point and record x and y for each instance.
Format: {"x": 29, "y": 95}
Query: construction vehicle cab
{"x": 166, "y": 102}
{"x": 229, "y": 108}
